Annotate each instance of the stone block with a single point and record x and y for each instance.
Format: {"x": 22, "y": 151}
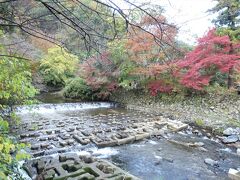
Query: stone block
{"x": 234, "y": 174}
{"x": 126, "y": 140}
{"x": 142, "y": 136}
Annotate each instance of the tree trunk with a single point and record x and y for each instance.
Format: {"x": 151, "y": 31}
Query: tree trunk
{"x": 230, "y": 78}
{"x": 230, "y": 72}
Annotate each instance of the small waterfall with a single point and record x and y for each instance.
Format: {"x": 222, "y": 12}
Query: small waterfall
{"x": 51, "y": 108}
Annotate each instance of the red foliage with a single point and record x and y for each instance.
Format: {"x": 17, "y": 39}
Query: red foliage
{"x": 213, "y": 53}
{"x": 159, "y": 86}
{"x": 100, "y": 74}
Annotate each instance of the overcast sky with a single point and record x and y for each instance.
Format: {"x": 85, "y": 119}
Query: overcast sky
{"x": 189, "y": 15}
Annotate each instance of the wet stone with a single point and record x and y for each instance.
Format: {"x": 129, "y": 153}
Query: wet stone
{"x": 64, "y": 136}
{"x": 70, "y": 141}
{"x": 229, "y": 131}
{"x": 85, "y": 133}
{"x": 105, "y": 168}
{"x": 32, "y": 128}
{"x": 63, "y": 143}
{"x": 43, "y": 138}
{"x": 87, "y": 158}
{"x": 107, "y": 130}
{"x": 44, "y": 145}
{"x": 35, "y": 147}
{"x": 72, "y": 128}
{"x": 50, "y": 174}
{"x": 238, "y": 151}
{"x": 234, "y": 174}
{"x": 60, "y": 125}
{"x": 49, "y": 131}
{"x": 57, "y": 131}
{"x": 110, "y": 143}
{"x": 23, "y": 136}
{"x": 81, "y": 140}
{"x": 68, "y": 130}
{"x": 211, "y": 162}
{"x": 230, "y": 139}
{"x": 39, "y": 153}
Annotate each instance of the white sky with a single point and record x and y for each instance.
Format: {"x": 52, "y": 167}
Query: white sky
{"x": 189, "y": 15}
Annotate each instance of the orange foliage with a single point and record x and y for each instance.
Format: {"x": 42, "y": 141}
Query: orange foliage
{"x": 142, "y": 46}
{"x": 42, "y": 44}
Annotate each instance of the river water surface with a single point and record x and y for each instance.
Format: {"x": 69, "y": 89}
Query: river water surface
{"x": 154, "y": 158}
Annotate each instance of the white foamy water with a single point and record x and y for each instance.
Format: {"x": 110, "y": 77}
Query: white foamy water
{"x": 152, "y": 142}
{"x": 104, "y": 152}
{"x": 51, "y": 108}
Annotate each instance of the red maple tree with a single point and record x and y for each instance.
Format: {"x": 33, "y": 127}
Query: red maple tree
{"x": 213, "y": 53}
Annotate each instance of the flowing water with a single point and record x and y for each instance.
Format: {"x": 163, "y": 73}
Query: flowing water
{"x": 151, "y": 158}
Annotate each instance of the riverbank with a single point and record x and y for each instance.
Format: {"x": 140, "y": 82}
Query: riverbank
{"x": 213, "y": 112}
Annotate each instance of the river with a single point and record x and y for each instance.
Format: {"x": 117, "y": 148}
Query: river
{"x": 104, "y": 130}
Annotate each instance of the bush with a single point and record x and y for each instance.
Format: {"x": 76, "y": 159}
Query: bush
{"x": 57, "y": 66}
{"x": 77, "y": 88}
{"x": 10, "y": 152}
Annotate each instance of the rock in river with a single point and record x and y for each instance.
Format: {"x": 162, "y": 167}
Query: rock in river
{"x": 230, "y": 139}
{"x": 229, "y": 132}
{"x": 211, "y": 162}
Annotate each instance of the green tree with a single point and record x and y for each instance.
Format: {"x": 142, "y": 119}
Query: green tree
{"x": 77, "y": 88}
{"x": 15, "y": 88}
{"x": 57, "y": 66}
{"x": 228, "y": 13}
{"x": 15, "y": 80}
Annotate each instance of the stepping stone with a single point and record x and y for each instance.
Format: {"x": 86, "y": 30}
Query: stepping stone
{"x": 81, "y": 140}
{"x": 35, "y": 147}
{"x": 234, "y": 174}
{"x": 230, "y": 139}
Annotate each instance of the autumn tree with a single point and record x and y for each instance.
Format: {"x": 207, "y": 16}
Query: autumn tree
{"x": 100, "y": 74}
{"x": 213, "y": 54}
{"x": 228, "y": 22}
{"x": 143, "y": 47}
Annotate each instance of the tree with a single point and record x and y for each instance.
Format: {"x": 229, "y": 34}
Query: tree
{"x": 57, "y": 66}
{"x": 142, "y": 45}
{"x": 212, "y": 54}
{"x": 15, "y": 89}
{"x": 228, "y": 13}
{"x": 228, "y": 20}
{"x": 15, "y": 80}
{"x": 101, "y": 74}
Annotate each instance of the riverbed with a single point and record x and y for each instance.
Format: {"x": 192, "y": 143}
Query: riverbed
{"x": 142, "y": 144}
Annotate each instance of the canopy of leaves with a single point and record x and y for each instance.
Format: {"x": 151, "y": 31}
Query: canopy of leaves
{"x": 77, "y": 88}
{"x": 15, "y": 80}
{"x": 57, "y": 66}
{"x": 228, "y": 13}
{"x": 213, "y": 54}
